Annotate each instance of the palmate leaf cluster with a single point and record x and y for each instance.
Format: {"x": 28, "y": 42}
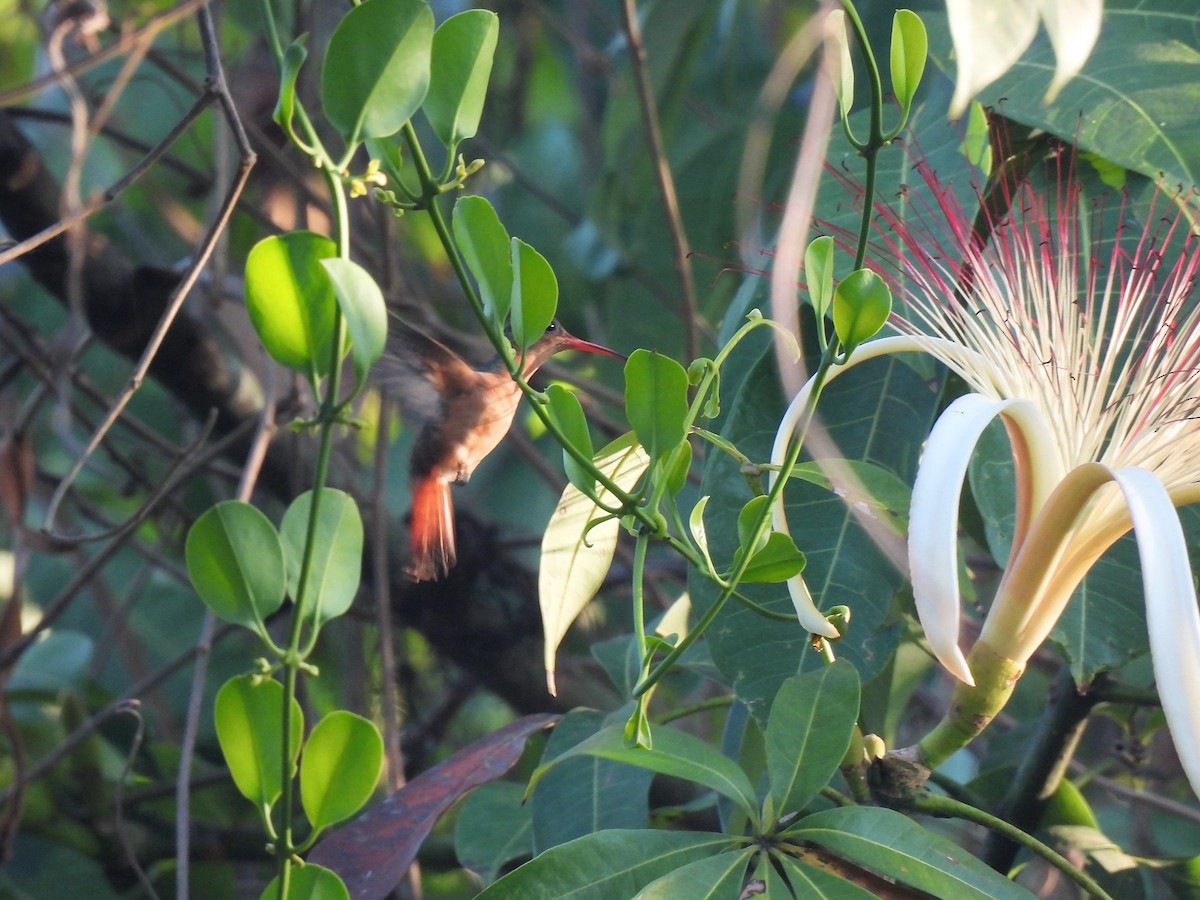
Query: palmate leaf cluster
{"x": 753, "y": 722}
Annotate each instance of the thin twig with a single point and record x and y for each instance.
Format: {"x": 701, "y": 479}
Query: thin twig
{"x": 662, "y": 170}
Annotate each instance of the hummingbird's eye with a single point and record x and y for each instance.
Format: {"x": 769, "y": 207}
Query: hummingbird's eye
{"x": 551, "y": 328}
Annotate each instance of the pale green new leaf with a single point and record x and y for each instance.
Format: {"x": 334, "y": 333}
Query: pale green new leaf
{"x": 574, "y": 559}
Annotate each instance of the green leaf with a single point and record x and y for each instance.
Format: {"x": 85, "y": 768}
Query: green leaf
{"x": 656, "y": 400}
{"x": 309, "y": 882}
{"x": 748, "y": 519}
{"x": 376, "y": 69}
{"x": 567, "y": 414}
{"x": 718, "y": 877}
{"x": 699, "y": 532}
{"x": 575, "y": 558}
{"x": 585, "y": 793}
{"x": 293, "y": 59}
{"x": 861, "y": 306}
{"x": 674, "y": 753}
{"x": 605, "y": 865}
{"x": 680, "y": 467}
{"x": 893, "y": 845}
{"x": 534, "y": 294}
{"x": 337, "y": 553}
{"x": 910, "y": 46}
{"x": 815, "y": 883}
{"x": 808, "y": 732}
{"x": 837, "y": 44}
{"x": 290, "y": 299}
{"x": 235, "y": 560}
{"x": 364, "y": 309}
{"x": 493, "y": 827}
{"x": 818, "y": 273}
{"x": 866, "y": 487}
{"x": 250, "y": 731}
{"x": 340, "y": 767}
{"x": 463, "y": 47}
{"x": 483, "y": 242}
{"x": 776, "y": 561}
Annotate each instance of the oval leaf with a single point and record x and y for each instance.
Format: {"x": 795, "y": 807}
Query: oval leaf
{"x": 235, "y": 560}
{"x": 463, "y": 48}
{"x": 534, "y": 294}
{"x": 776, "y": 561}
{"x": 290, "y": 299}
{"x": 337, "y": 553}
{"x": 656, "y": 400}
{"x": 808, "y": 732}
{"x": 567, "y": 414}
{"x": 309, "y": 882}
{"x": 340, "y": 767}
{"x": 575, "y": 558}
{"x": 363, "y": 306}
{"x": 249, "y": 720}
{"x": 818, "y": 273}
{"x": 483, "y": 242}
{"x": 674, "y": 753}
{"x": 909, "y": 48}
{"x": 861, "y": 306}
{"x": 376, "y": 69}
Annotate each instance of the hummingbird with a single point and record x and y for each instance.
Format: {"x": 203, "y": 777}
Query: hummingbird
{"x": 466, "y": 411}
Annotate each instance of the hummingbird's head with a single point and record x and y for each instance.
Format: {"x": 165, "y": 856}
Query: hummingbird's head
{"x": 555, "y": 340}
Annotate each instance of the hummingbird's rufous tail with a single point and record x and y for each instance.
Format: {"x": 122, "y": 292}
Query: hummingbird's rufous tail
{"x": 431, "y": 530}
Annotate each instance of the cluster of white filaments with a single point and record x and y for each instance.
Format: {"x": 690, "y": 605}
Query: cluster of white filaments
{"x": 1098, "y": 330}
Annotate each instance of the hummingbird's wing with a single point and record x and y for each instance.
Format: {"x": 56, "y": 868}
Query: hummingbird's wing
{"x": 419, "y": 372}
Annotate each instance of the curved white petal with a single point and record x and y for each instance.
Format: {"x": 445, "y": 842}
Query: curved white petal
{"x": 989, "y": 36}
{"x": 1073, "y": 26}
{"x": 810, "y": 617}
{"x": 933, "y": 524}
{"x": 1171, "y": 610}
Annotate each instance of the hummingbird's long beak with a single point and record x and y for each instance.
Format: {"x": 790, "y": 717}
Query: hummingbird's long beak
{"x": 570, "y": 342}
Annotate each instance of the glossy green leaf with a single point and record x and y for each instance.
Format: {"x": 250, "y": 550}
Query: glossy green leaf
{"x": 493, "y": 827}
{"x": 337, "y": 552}
{"x": 818, "y": 274}
{"x": 895, "y": 846}
{"x": 656, "y": 400}
{"x": 585, "y": 793}
{"x": 340, "y": 768}
{"x": 567, "y": 414}
{"x": 718, "y": 877}
{"x": 753, "y": 514}
{"x": 776, "y": 561}
{"x": 463, "y": 47}
{"x": 808, "y": 732}
{"x": 364, "y": 309}
{"x": 606, "y": 864}
{"x": 576, "y": 558}
{"x": 534, "y": 294}
{"x": 376, "y": 70}
{"x": 293, "y": 59}
{"x": 861, "y": 306}
{"x": 249, "y": 720}
{"x": 290, "y": 299}
{"x": 309, "y": 882}
{"x": 235, "y": 560}
{"x": 910, "y": 47}
{"x": 815, "y": 883}
{"x": 674, "y": 753}
{"x": 484, "y": 244}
